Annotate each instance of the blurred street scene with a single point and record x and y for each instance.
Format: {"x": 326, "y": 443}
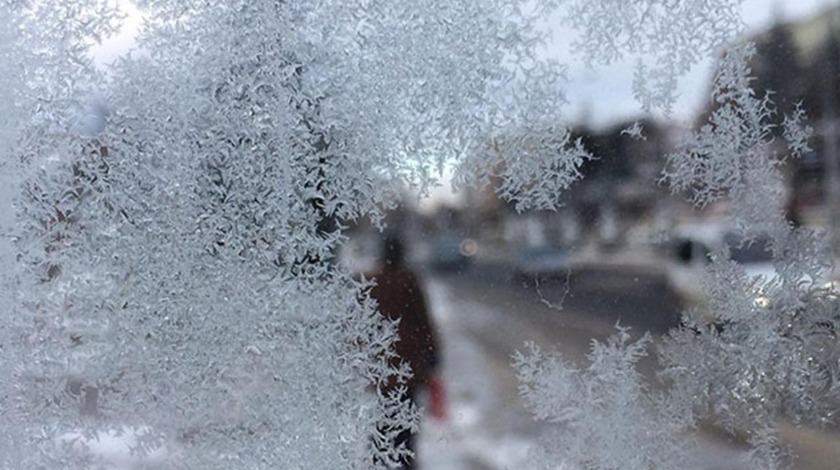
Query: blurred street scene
{"x": 486, "y": 309}
{"x": 622, "y": 250}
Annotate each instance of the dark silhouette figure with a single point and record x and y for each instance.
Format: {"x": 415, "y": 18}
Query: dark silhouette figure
{"x": 400, "y": 297}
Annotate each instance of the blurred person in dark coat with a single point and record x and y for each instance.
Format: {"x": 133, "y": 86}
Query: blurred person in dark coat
{"x": 400, "y": 296}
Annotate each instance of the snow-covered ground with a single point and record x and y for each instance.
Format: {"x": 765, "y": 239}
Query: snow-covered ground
{"x": 474, "y": 434}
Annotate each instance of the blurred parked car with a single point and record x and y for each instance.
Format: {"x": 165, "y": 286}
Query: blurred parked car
{"x": 451, "y": 253}
{"x": 542, "y": 262}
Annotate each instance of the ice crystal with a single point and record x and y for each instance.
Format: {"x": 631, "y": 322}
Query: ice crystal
{"x": 763, "y": 358}
{"x": 732, "y": 154}
{"x": 796, "y": 132}
{"x": 174, "y": 272}
{"x": 606, "y": 406}
{"x": 665, "y": 37}
{"x": 635, "y": 131}
{"x": 533, "y": 166}
{"x": 762, "y": 351}
{"x": 176, "y": 246}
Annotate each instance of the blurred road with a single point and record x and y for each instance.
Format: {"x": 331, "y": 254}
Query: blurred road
{"x": 485, "y": 315}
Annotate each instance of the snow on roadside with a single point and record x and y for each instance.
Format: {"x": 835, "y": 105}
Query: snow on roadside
{"x": 468, "y": 439}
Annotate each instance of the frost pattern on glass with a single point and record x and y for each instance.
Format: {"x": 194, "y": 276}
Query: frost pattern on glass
{"x": 175, "y": 274}
{"x": 603, "y": 416}
{"x": 665, "y": 37}
{"x": 531, "y": 166}
{"x": 764, "y": 349}
{"x": 45, "y": 78}
{"x": 733, "y": 155}
{"x": 177, "y": 258}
